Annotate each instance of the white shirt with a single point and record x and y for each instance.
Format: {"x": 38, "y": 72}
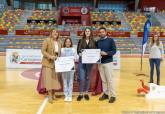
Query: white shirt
{"x": 156, "y": 51}
{"x": 68, "y": 52}
{"x": 56, "y": 46}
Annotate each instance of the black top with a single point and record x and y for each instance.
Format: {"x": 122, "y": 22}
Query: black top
{"x": 82, "y": 44}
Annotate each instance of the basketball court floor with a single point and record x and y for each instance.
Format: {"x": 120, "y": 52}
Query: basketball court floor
{"x": 18, "y": 93}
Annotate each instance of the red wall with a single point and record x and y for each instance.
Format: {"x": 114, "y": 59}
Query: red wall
{"x": 74, "y": 11}
{"x": 160, "y": 4}
{"x": 3, "y": 32}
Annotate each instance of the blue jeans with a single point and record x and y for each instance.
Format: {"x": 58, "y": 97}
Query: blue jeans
{"x": 84, "y": 76}
{"x": 155, "y": 62}
{"x": 68, "y": 83}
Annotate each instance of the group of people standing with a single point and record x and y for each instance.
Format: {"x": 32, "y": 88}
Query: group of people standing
{"x": 53, "y": 48}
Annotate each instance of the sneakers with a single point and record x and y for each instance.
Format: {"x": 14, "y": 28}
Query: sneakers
{"x": 68, "y": 99}
{"x": 80, "y": 97}
{"x": 112, "y": 100}
{"x": 103, "y": 97}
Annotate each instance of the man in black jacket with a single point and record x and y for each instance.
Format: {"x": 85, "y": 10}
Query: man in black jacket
{"x": 108, "y": 49}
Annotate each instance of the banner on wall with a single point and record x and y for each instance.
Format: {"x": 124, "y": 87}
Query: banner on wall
{"x": 40, "y": 32}
{"x": 151, "y": 34}
{"x": 162, "y": 34}
{"x": 3, "y": 32}
{"x": 31, "y": 58}
{"x": 116, "y": 34}
{"x": 75, "y": 11}
{"x": 23, "y": 58}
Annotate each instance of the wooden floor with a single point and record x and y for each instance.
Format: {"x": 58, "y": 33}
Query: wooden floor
{"x": 18, "y": 95}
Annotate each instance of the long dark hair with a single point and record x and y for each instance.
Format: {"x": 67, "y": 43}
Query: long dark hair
{"x": 91, "y": 34}
{"x": 91, "y": 40}
{"x": 67, "y": 38}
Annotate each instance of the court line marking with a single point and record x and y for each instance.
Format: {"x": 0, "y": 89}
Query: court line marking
{"x": 42, "y": 106}
{"x": 25, "y": 78}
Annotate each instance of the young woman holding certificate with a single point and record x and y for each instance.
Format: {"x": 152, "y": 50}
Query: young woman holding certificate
{"x": 156, "y": 55}
{"x": 68, "y": 77}
{"x": 49, "y": 81}
{"x": 84, "y": 70}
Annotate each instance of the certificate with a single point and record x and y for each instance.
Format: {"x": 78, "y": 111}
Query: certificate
{"x": 91, "y": 56}
{"x": 64, "y": 64}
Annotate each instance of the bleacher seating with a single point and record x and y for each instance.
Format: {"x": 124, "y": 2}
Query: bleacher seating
{"x": 9, "y": 19}
{"x": 106, "y": 16}
{"x": 136, "y": 21}
{"x": 112, "y": 6}
{"x": 40, "y": 26}
{"x": 43, "y": 15}
{"x": 75, "y": 3}
{"x": 21, "y": 42}
{"x": 161, "y": 17}
{"x": 126, "y": 45}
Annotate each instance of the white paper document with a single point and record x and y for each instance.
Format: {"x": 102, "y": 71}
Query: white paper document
{"x": 64, "y": 64}
{"x": 91, "y": 56}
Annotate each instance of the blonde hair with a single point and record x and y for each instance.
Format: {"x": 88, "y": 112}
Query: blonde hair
{"x": 52, "y": 32}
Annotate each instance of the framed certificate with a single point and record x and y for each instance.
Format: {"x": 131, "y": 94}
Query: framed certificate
{"x": 91, "y": 56}
{"x": 64, "y": 64}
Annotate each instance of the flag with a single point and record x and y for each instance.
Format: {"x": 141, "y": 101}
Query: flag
{"x": 145, "y": 36}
